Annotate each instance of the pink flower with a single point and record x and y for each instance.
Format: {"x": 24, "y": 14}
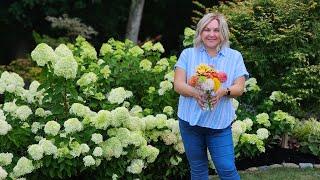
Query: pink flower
{"x": 222, "y": 77}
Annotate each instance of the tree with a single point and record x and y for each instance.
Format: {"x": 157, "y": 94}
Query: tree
{"x": 134, "y": 21}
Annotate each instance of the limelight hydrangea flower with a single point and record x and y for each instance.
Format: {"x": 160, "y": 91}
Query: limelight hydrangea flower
{"x": 168, "y": 137}
{"x": 43, "y": 54}
{"x": 163, "y": 63}
{"x": 80, "y": 110}
{"x": 76, "y": 149}
{"x": 3, "y": 173}
{"x": 105, "y": 71}
{"x": 10, "y": 107}
{"x": 248, "y": 123}
{"x": 84, "y": 148}
{"x": 11, "y": 82}
{"x": 137, "y": 139}
{"x": 263, "y": 133}
{"x": 136, "y": 111}
{"x": 87, "y": 79}
{"x": 42, "y": 113}
{"x": 52, "y": 128}
{"x": 4, "y": 127}
{"x": 5, "y": 159}
{"x": 189, "y": 32}
{"x": 136, "y": 51}
{"x": 136, "y": 166}
{"x": 158, "y": 47}
{"x": 35, "y": 127}
{"x": 263, "y": 118}
{"x": 106, "y": 49}
{"x": 123, "y": 135}
{"x": 284, "y": 118}
{"x": 147, "y": 46}
{"x": 24, "y": 166}
{"x": 251, "y": 85}
{"x": 112, "y": 147}
{"x": 97, "y": 152}
{"x": 88, "y": 51}
{"x": 72, "y": 125}
{"x": 134, "y": 123}
{"x": 168, "y": 110}
{"x": 35, "y": 151}
{"x": 253, "y": 139}
{"x": 151, "y": 89}
{"x": 145, "y": 65}
{"x": 164, "y": 86}
{"x": 23, "y": 112}
{"x": 169, "y": 76}
{"x": 66, "y": 67}
{"x": 97, "y": 138}
{"x": 63, "y": 152}
{"x": 276, "y": 96}
{"x": 114, "y": 176}
{"x": 63, "y": 51}
{"x": 148, "y": 152}
{"x": 175, "y": 160}
{"x": 48, "y": 147}
{"x": 179, "y": 147}
{"x": 120, "y": 116}
{"x": 235, "y": 103}
{"x": 102, "y": 120}
{"x": 118, "y": 95}
{"x": 88, "y": 161}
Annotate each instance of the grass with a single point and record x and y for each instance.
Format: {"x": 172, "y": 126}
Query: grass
{"x": 280, "y": 174}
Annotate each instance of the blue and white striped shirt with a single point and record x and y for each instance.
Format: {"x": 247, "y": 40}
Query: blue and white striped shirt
{"x": 227, "y": 60}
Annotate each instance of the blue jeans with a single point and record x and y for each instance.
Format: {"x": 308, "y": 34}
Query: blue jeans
{"x": 197, "y": 139}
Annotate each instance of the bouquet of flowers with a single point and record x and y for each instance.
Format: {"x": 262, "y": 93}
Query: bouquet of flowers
{"x": 208, "y": 80}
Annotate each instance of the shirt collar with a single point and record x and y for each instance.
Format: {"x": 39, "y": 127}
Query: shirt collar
{"x": 221, "y": 52}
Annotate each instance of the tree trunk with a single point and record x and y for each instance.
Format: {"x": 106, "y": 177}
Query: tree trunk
{"x": 134, "y": 21}
{"x": 284, "y": 141}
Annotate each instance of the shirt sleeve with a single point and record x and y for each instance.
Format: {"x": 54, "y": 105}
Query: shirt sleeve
{"x": 240, "y": 69}
{"x": 182, "y": 61}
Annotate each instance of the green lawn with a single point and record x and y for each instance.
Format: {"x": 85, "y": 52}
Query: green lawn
{"x": 280, "y": 174}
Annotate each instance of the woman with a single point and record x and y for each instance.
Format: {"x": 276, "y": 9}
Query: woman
{"x": 202, "y": 129}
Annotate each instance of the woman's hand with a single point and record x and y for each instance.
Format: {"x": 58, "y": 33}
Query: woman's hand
{"x": 216, "y": 98}
{"x": 200, "y": 97}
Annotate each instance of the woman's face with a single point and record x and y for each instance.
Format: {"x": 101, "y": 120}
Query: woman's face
{"x": 210, "y": 35}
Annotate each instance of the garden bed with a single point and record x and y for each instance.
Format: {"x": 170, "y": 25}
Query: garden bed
{"x": 277, "y": 155}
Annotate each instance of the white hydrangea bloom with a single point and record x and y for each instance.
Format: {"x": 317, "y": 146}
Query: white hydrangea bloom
{"x": 168, "y": 110}
{"x": 76, "y": 148}
{"x": 87, "y": 79}
{"x": 35, "y": 151}
{"x": 263, "y": 118}
{"x": 148, "y": 152}
{"x": 106, "y": 49}
{"x": 163, "y": 62}
{"x": 72, "y": 125}
{"x": 88, "y": 51}
{"x": 52, "y": 128}
{"x": 235, "y": 103}
{"x": 97, "y": 138}
{"x": 263, "y": 133}
{"x": 97, "y": 152}
{"x": 3, "y": 174}
{"x": 145, "y": 65}
{"x": 102, "y": 120}
{"x": 158, "y": 47}
{"x": 43, "y": 54}
{"x": 24, "y": 166}
{"x": 4, "y": 127}
{"x": 35, "y": 127}
{"x": 136, "y": 110}
{"x": 80, "y": 110}
{"x": 248, "y": 123}
{"x": 169, "y": 76}
{"x": 147, "y": 45}
{"x": 105, "y": 71}
{"x": 251, "y": 85}
{"x": 120, "y": 116}
{"x": 10, "y": 107}
{"x": 5, "y": 159}
{"x": 165, "y": 86}
{"x": 114, "y": 176}
{"x": 84, "y": 148}
{"x": 88, "y": 161}
{"x": 136, "y": 51}
{"x": 63, "y": 51}
{"x": 136, "y": 166}
{"x": 239, "y": 127}
{"x": 118, "y": 95}
{"x": 48, "y": 147}
{"x": 11, "y": 82}
{"x": 66, "y": 67}
{"x": 23, "y": 112}
{"x": 168, "y": 137}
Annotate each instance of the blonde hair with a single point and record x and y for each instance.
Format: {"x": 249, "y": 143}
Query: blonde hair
{"x": 223, "y": 28}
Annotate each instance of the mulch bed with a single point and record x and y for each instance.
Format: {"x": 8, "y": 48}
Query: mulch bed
{"x": 277, "y": 155}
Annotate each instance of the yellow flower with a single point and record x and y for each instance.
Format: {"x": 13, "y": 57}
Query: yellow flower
{"x": 217, "y": 84}
{"x": 203, "y": 68}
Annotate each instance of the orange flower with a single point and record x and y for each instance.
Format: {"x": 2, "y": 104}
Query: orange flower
{"x": 193, "y": 81}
